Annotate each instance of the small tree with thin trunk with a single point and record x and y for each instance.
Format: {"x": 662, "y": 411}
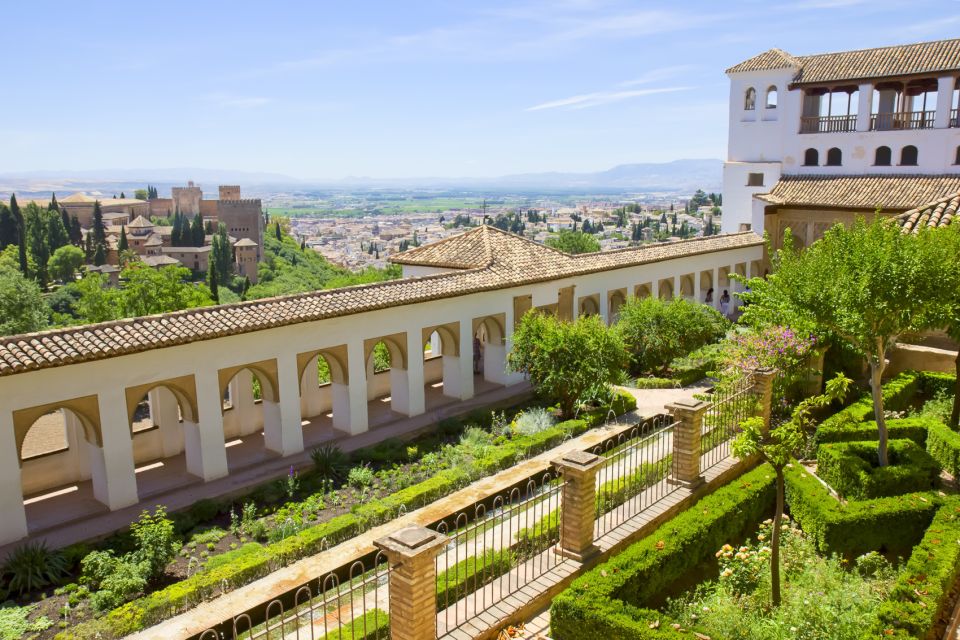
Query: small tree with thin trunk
{"x": 778, "y": 447}
{"x": 867, "y": 285}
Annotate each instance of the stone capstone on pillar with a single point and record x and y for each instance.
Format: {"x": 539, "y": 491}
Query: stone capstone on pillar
{"x": 579, "y": 471}
{"x": 412, "y": 553}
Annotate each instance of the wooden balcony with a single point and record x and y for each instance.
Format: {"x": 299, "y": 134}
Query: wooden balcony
{"x": 827, "y": 124}
{"x": 902, "y": 120}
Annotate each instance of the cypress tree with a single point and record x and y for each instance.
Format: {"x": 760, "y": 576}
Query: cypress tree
{"x": 65, "y": 220}
{"x": 88, "y": 249}
{"x": 53, "y": 206}
{"x": 212, "y": 281}
{"x": 196, "y": 231}
{"x": 8, "y": 227}
{"x": 21, "y": 233}
{"x": 123, "y": 196}
{"x": 122, "y": 244}
{"x": 99, "y": 255}
{"x": 277, "y": 231}
{"x": 57, "y": 234}
{"x": 76, "y": 232}
{"x": 99, "y": 229}
{"x": 37, "y": 239}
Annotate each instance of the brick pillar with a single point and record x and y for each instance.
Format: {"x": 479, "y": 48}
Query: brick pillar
{"x": 763, "y": 388}
{"x": 688, "y": 415}
{"x": 579, "y": 471}
{"x": 412, "y": 554}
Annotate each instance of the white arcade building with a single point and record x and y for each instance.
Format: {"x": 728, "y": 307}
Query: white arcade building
{"x": 818, "y": 139}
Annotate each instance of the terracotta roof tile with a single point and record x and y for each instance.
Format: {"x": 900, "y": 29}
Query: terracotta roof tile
{"x": 509, "y": 261}
{"x": 897, "y": 192}
{"x": 862, "y": 64}
{"x": 939, "y": 213}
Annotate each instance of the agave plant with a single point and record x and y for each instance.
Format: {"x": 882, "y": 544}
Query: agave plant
{"x": 331, "y": 463}
{"x": 32, "y": 566}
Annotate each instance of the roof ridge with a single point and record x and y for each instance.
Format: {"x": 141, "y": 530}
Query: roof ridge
{"x": 888, "y": 46}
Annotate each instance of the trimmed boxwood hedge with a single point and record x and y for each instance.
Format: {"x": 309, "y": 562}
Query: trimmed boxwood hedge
{"x": 943, "y": 443}
{"x": 372, "y": 625}
{"x": 242, "y": 566}
{"x": 606, "y": 603}
{"x": 852, "y": 529}
{"x": 850, "y": 468}
{"x": 897, "y": 429}
{"x": 922, "y": 590}
{"x": 470, "y": 574}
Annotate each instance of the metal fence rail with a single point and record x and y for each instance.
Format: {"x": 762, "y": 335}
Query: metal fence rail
{"x": 496, "y": 548}
{"x": 729, "y": 407}
{"x": 351, "y": 603}
{"x": 634, "y": 473}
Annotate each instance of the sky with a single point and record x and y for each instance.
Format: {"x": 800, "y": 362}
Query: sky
{"x": 327, "y": 90}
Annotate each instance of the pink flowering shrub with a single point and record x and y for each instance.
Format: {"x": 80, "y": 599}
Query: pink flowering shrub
{"x": 776, "y": 347}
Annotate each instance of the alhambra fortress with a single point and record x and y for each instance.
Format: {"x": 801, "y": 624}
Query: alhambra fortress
{"x": 116, "y": 417}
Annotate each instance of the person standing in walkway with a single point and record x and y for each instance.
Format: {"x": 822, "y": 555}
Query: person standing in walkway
{"x": 477, "y": 353}
{"x": 709, "y": 298}
{"x": 725, "y": 303}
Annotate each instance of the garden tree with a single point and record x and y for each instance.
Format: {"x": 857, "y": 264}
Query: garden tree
{"x": 75, "y": 231}
{"x": 141, "y": 194}
{"x": 573, "y": 242}
{"x": 212, "y": 282}
{"x": 699, "y": 199}
{"x": 571, "y": 362}
{"x": 65, "y": 262}
{"x": 866, "y": 285}
{"x": 21, "y": 233}
{"x": 22, "y": 309}
{"x": 65, "y": 221}
{"x": 953, "y": 330}
{"x": 778, "y": 447}
{"x": 8, "y": 227}
{"x": 52, "y": 205}
{"x": 587, "y": 227}
{"x": 97, "y": 302}
{"x": 99, "y": 255}
{"x": 123, "y": 196}
{"x": 122, "y": 243}
{"x": 147, "y": 291}
{"x": 98, "y": 228}
{"x": 37, "y": 242}
{"x": 88, "y": 247}
{"x": 197, "y": 232}
{"x": 221, "y": 254}
{"x": 276, "y": 231}
{"x": 655, "y": 331}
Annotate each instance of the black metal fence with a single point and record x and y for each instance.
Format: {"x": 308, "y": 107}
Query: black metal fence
{"x": 731, "y": 404}
{"x": 496, "y": 548}
{"x": 634, "y": 473}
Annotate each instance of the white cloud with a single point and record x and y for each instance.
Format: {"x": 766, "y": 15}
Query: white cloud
{"x": 587, "y": 100}
{"x": 655, "y": 75}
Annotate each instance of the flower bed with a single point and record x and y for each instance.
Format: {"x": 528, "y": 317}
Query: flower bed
{"x": 851, "y": 469}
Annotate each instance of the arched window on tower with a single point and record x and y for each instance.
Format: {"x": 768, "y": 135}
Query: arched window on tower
{"x": 908, "y": 156}
{"x": 771, "y": 97}
{"x": 834, "y": 157}
{"x": 750, "y": 100}
{"x": 811, "y": 158}
{"x": 883, "y": 157}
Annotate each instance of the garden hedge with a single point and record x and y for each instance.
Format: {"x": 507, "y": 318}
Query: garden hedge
{"x": 915, "y": 429}
{"x": 943, "y": 443}
{"x": 898, "y": 393}
{"x": 373, "y": 625}
{"x": 852, "y": 529}
{"x": 470, "y": 574}
{"x": 922, "y": 591}
{"x": 850, "y": 468}
{"x": 242, "y": 566}
{"x": 607, "y": 602}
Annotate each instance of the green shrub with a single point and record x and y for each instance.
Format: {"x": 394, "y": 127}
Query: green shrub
{"x": 390, "y": 451}
{"x": 32, "y": 566}
{"x": 373, "y": 625}
{"x": 922, "y": 591}
{"x": 914, "y": 429}
{"x": 529, "y": 540}
{"x": 613, "y": 493}
{"x": 156, "y": 544}
{"x": 532, "y": 421}
{"x": 360, "y": 477}
{"x": 655, "y": 383}
{"x": 944, "y": 445}
{"x": 470, "y": 574}
{"x": 15, "y": 623}
{"x": 606, "y": 602}
{"x": 330, "y": 462}
{"x": 851, "y": 469}
{"x": 892, "y": 524}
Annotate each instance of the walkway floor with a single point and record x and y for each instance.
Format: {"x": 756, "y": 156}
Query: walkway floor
{"x": 75, "y": 515}
{"x": 652, "y": 401}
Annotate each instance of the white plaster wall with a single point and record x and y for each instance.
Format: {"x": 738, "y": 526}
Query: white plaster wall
{"x": 738, "y": 201}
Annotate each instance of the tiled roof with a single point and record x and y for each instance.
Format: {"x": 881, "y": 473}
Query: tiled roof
{"x": 939, "y": 213}
{"x": 140, "y": 223}
{"x": 861, "y": 192}
{"x": 511, "y": 261}
{"x": 862, "y": 64}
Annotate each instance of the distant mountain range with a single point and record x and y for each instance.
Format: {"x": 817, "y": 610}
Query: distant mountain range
{"x": 678, "y": 175}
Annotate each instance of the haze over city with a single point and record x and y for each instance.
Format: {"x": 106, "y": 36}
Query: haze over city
{"x": 382, "y": 89}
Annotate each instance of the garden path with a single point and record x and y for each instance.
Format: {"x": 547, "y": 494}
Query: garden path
{"x": 653, "y": 401}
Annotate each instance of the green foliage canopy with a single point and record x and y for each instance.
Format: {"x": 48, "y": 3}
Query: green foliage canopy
{"x": 573, "y": 242}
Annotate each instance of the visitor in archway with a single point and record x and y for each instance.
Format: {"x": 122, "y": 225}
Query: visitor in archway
{"x": 709, "y": 298}
{"x": 725, "y": 303}
{"x": 476, "y": 354}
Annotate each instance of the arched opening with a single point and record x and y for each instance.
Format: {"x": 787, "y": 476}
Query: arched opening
{"x": 324, "y": 394}
{"x": 708, "y": 293}
{"x": 811, "y": 158}
{"x": 834, "y": 157}
{"x": 617, "y": 299}
{"x": 387, "y": 378}
{"x": 665, "y": 289}
{"x": 686, "y": 287}
{"x": 643, "y": 291}
{"x": 588, "y": 306}
{"x": 489, "y": 351}
{"x": 771, "y": 102}
{"x": 883, "y": 156}
{"x": 908, "y": 156}
{"x": 750, "y": 99}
